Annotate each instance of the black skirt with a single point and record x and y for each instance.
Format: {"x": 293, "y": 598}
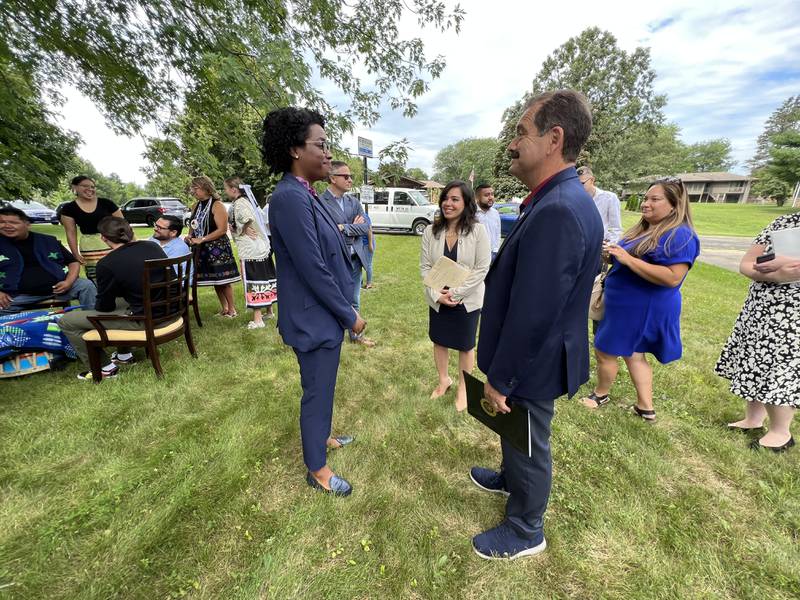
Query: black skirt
{"x": 453, "y": 327}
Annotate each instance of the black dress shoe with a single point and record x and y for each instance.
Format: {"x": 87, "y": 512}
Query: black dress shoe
{"x": 756, "y": 445}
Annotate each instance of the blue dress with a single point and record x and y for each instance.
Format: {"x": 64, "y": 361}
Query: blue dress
{"x": 642, "y": 316}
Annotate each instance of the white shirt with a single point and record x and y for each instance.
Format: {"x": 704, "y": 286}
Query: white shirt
{"x": 491, "y": 220}
{"x": 607, "y": 205}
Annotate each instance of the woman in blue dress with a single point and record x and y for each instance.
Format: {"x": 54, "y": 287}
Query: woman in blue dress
{"x": 642, "y": 294}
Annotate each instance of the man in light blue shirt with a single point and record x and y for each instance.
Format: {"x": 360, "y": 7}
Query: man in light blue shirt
{"x": 488, "y": 215}
{"x": 607, "y": 205}
{"x": 167, "y": 233}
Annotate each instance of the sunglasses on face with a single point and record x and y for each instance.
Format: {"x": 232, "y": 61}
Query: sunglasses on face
{"x": 345, "y": 175}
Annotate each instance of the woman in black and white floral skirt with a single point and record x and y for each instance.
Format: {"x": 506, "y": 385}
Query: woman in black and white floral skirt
{"x": 762, "y": 356}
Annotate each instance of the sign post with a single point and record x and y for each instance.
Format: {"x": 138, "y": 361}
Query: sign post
{"x": 367, "y": 191}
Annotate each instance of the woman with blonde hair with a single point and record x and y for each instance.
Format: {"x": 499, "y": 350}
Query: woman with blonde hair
{"x": 208, "y": 236}
{"x": 84, "y": 213}
{"x": 250, "y": 234}
{"x": 642, "y": 294}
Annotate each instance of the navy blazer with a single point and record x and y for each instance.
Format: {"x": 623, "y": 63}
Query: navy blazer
{"x": 533, "y": 342}
{"x": 314, "y": 282}
{"x": 352, "y": 233}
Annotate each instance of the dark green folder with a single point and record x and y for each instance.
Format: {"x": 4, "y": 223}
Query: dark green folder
{"x": 512, "y": 427}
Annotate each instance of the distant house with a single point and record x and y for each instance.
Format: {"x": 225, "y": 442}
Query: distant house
{"x": 702, "y": 187}
{"x": 429, "y": 185}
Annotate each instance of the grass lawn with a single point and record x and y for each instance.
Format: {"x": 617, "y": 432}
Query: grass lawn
{"x": 193, "y": 486}
{"x": 746, "y": 220}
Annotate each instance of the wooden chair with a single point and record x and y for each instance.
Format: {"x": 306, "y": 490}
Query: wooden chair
{"x": 166, "y": 315}
{"x": 193, "y": 300}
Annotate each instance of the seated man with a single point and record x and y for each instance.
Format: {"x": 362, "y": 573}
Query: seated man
{"x": 119, "y": 291}
{"x": 36, "y": 267}
{"x": 167, "y": 233}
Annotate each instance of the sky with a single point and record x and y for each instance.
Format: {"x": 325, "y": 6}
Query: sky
{"x": 724, "y": 67}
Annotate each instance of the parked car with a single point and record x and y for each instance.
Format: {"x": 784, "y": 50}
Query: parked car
{"x": 509, "y": 213}
{"x": 401, "y": 209}
{"x": 148, "y": 210}
{"x": 36, "y": 211}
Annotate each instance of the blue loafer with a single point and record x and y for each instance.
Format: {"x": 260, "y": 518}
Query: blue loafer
{"x": 339, "y": 486}
{"x": 343, "y": 440}
{"x": 503, "y": 543}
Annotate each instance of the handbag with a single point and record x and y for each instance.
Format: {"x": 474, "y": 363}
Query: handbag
{"x": 597, "y": 303}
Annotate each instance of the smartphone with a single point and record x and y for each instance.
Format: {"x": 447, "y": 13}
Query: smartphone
{"x": 765, "y": 258}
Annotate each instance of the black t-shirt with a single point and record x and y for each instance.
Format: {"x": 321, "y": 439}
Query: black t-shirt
{"x": 87, "y": 222}
{"x": 119, "y": 275}
{"x": 36, "y": 280}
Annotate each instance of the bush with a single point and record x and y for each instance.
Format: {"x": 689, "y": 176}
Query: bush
{"x": 633, "y": 203}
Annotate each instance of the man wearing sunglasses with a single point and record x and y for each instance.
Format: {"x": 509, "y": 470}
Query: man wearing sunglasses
{"x": 349, "y": 215}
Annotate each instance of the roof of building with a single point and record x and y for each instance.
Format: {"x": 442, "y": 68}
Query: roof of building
{"x": 714, "y": 176}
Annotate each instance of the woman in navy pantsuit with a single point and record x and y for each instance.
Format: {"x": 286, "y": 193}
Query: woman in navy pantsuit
{"x": 314, "y": 279}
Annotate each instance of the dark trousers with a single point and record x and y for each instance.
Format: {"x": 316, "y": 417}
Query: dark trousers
{"x": 318, "y": 370}
{"x": 528, "y": 479}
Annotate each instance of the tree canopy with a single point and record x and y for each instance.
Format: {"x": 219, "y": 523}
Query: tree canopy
{"x": 207, "y": 71}
{"x": 785, "y": 118}
{"x": 619, "y": 86}
{"x": 457, "y": 160}
{"x": 630, "y": 137}
{"x": 35, "y": 154}
{"x": 137, "y": 59}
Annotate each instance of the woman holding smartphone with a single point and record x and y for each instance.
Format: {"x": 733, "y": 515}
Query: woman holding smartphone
{"x": 761, "y": 358}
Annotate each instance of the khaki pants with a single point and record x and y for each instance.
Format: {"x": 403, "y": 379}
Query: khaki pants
{"x": 75, "y": 323}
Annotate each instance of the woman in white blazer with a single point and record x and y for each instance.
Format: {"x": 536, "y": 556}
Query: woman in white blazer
{"x": 454, "y": 313}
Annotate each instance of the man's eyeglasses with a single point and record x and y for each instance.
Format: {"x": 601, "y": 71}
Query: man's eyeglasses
{"x": 326, "y": 147}
{"x": 160, "y": 228}
{"x": 345, "y": 175}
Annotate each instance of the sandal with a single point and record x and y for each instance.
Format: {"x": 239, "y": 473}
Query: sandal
{"x": 645, "y": 415}
{"x": 598, "y": 400}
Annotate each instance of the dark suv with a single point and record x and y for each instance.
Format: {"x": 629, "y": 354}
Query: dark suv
{"x": 148, "y": 210}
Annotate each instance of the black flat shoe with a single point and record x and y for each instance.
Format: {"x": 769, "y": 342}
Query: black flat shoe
{"x": 756, "y": 445}
{"x": 745, "y": 429}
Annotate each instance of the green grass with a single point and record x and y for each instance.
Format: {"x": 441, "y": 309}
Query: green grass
{"x": 193, "y": 485}
{"x": 746, "y": 220}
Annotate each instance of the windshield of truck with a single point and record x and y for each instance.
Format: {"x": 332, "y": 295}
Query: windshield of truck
{"x": 421, "y": 198}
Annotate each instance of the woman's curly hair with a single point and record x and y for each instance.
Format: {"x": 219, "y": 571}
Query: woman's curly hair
{"x": 284, "y": 129}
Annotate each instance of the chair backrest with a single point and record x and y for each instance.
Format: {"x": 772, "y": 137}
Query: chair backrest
{"x": 165, "y": 286}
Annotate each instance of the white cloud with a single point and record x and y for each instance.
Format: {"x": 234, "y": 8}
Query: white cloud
{"x": 725, "y": 66}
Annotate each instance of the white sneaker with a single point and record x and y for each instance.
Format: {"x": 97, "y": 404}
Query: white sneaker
{"x": 254, "y": 325}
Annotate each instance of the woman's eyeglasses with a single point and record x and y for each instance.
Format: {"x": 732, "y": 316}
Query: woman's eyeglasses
{"x": 326, "y": 147}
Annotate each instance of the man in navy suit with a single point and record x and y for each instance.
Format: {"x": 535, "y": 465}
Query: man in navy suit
{"x": 313, "y": 269}
{"x": 352, "y": 222}
{"x": 533, "y": 344}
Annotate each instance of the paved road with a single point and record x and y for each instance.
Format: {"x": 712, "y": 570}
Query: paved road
{"x": 723, "y": 251}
